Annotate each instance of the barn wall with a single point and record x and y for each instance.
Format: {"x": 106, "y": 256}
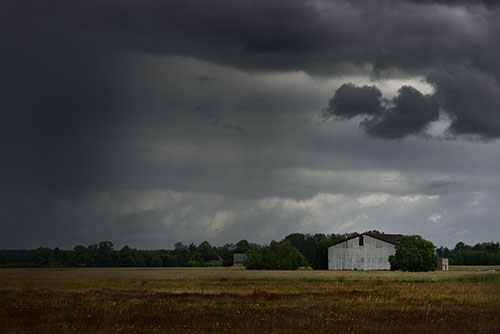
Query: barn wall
{"x": 349, "y": 255}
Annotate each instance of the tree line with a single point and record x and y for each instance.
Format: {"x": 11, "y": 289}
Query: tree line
{"x": 294, "y": 251}
{"x": 103, "y": 254}
{"x": 485, "y": 253}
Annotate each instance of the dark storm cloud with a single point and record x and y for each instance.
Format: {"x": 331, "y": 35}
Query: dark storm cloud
{"x": 409, "y": 112}
{"x": 379, "y": 37}
{"x": 257, "y": 34}
{"x": 471, "y": 99}
{"x": 56, "y": 108}
{"x": 350, "y": 101}
{"x": 492, "y": 3}
{"x": 63, "y": 118}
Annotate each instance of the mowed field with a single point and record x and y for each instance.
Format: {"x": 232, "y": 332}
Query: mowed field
{"x": 228, "y": 300}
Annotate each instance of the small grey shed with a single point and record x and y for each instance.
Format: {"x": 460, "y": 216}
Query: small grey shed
{"x": 238, "y": 259}
{"x": 442, "y": 263}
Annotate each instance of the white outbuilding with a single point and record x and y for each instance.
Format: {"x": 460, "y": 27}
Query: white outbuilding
{"x": 442, "y": 263}
{"x": 367, "y": 251}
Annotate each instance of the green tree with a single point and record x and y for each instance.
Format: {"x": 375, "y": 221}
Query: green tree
{"x": 254, "y": 260}
{"x": 181, "y": 252}
{"x": 105, "y": 254}
{"x": 207, "y": 252}
{"x": 193, "y": 263}
{"x": 374, "y": 232}
{"x": 278, "y": 255}
{"x": 320, "y": 261}
{"x": 156, "y": 261}
{"x": 460, "y": 246}
{"x": 196, "y": 257}
{"x": 81, "y": 255}
{"x": 444, "y": 252}
{"x": 127, "y": 257}
{"x": 413, "y": 253}
{"x": 305, "y": 243}
{"x": 170, "y": 260}
{"x": 242, "y": 246}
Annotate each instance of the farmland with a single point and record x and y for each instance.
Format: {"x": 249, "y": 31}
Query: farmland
{"x": 215, "y": 300}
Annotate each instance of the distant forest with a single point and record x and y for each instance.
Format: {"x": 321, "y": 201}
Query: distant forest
{"x": 295, "y": 250}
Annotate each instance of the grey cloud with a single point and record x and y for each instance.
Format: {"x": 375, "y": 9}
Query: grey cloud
{"x": 492, "y": 3}
{"x": 384, "y": 38}
{"x": 350, "y": 101}
{"x": 56, "y": 109}
{"x": 409, "y": 112}
{"x": 203, "y": 79}
{"x": 154, "y": 220}
{"x": 231, "y": 126}
{"x": 471, "y": 99}
{"x": 444, "y": 185}
{"x": 312, "y": 36}
{"x": 206, "y": 113}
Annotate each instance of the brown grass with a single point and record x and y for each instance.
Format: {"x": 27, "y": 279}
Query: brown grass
{"x": 217, "y": 300}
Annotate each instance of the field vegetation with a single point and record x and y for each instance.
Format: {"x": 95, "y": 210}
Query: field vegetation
{"x": 228, "y": 300}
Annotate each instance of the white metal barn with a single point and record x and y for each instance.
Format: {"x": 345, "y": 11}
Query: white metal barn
{"x": 367, "y": 251}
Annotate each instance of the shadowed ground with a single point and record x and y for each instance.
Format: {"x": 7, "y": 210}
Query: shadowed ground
{"x": 215, "y": 300}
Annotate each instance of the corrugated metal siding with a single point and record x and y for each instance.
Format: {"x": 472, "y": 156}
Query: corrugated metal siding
{"x": 349, "y": 255}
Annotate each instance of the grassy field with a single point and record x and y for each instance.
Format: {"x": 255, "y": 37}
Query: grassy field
{"x": 226, "y": 300}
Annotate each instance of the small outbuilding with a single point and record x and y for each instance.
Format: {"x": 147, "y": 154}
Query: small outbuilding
{"x": 238, "y": 259}
{"x": 367, "y": 251}
{"x": 442, "y": 263}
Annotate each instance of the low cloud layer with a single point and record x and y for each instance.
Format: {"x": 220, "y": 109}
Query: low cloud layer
{"x": 158, "y": 219}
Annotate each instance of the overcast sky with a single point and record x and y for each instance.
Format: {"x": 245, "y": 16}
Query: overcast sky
{"x": 156, "y": 121}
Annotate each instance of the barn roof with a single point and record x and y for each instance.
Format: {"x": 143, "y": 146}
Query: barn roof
{"x": 391, "y": 238}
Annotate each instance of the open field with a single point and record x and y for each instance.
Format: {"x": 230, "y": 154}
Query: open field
{"x": 226, "y": 300}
